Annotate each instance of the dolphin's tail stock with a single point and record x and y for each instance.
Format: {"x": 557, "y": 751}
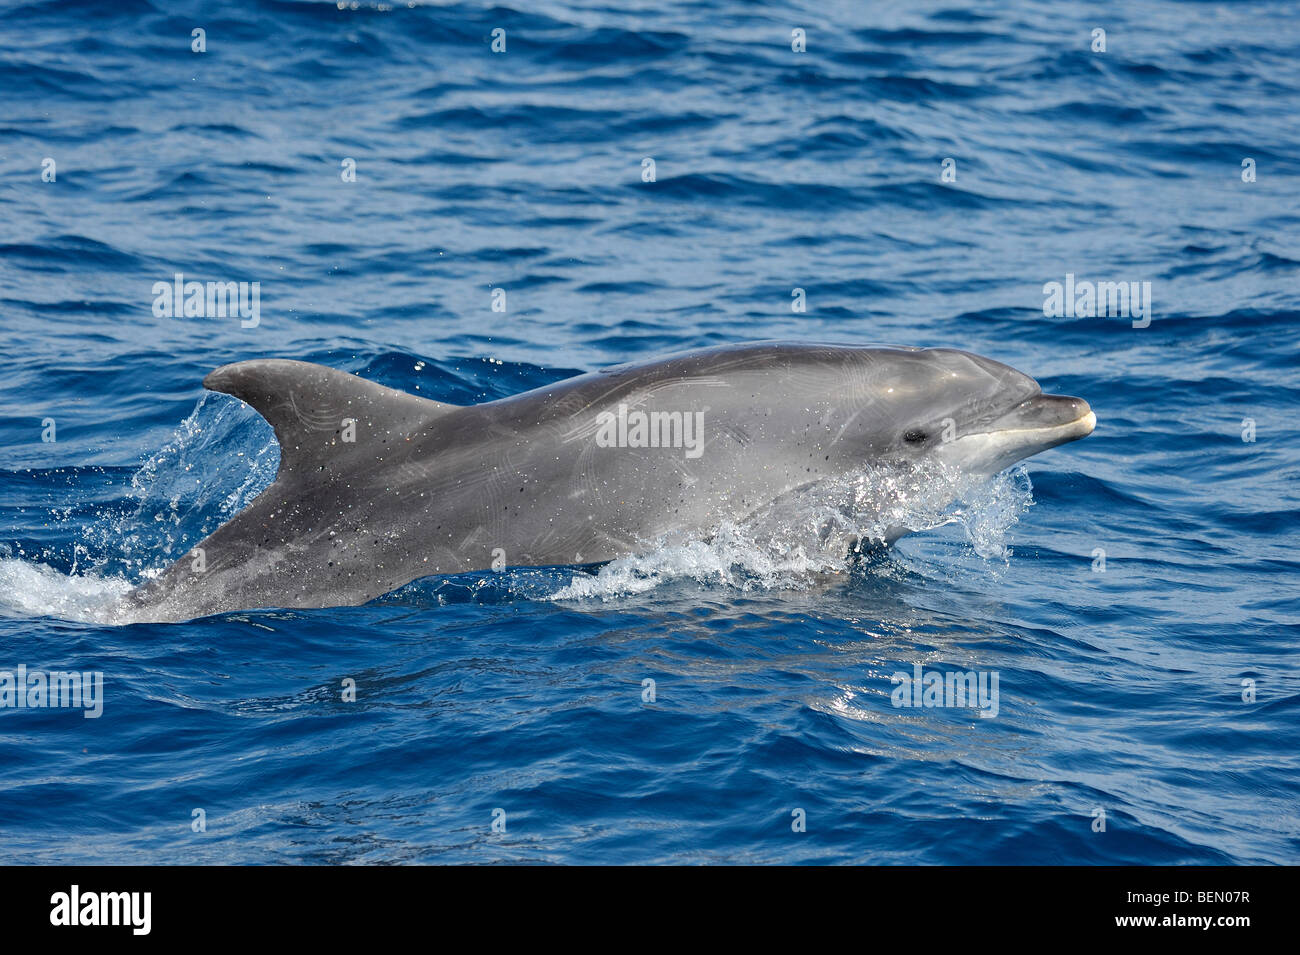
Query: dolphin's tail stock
{"x": 330, "y": 425}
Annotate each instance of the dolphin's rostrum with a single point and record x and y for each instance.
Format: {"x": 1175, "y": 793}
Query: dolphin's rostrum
{"x": 378, "y": 487}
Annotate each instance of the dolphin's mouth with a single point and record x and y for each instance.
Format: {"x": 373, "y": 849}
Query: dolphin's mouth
{"x": 1034, "y": 425}
{"x": 1056, "y": 416}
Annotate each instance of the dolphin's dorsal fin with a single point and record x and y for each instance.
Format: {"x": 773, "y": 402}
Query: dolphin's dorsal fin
{"x": 310, "y": 407}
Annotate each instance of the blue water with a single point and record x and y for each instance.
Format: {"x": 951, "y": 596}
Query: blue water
{"x": 1121, "y": 689}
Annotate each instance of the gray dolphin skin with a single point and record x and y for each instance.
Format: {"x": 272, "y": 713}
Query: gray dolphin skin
{"x": 378, "y": 487}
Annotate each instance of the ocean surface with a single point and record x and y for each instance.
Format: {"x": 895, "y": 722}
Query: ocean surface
{"x": 1135, "y": 592}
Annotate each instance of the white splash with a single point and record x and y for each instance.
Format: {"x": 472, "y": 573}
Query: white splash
{"x": 796, "y": 540}
{"x": 218, "y": 460}
{"x": 37, "y": 590}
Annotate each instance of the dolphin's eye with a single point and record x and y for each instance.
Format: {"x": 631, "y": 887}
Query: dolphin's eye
{"x": 914, "y": 436}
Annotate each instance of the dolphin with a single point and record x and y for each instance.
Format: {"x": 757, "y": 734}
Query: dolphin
{"x": 378, "y": 487}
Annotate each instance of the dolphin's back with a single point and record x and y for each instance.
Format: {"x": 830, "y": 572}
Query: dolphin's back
{"x": 315, "y": 409}
{"x": 331, "y": 427}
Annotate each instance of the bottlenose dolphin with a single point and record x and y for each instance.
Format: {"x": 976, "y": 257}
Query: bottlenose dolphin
{"x": 378, "y": 487}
